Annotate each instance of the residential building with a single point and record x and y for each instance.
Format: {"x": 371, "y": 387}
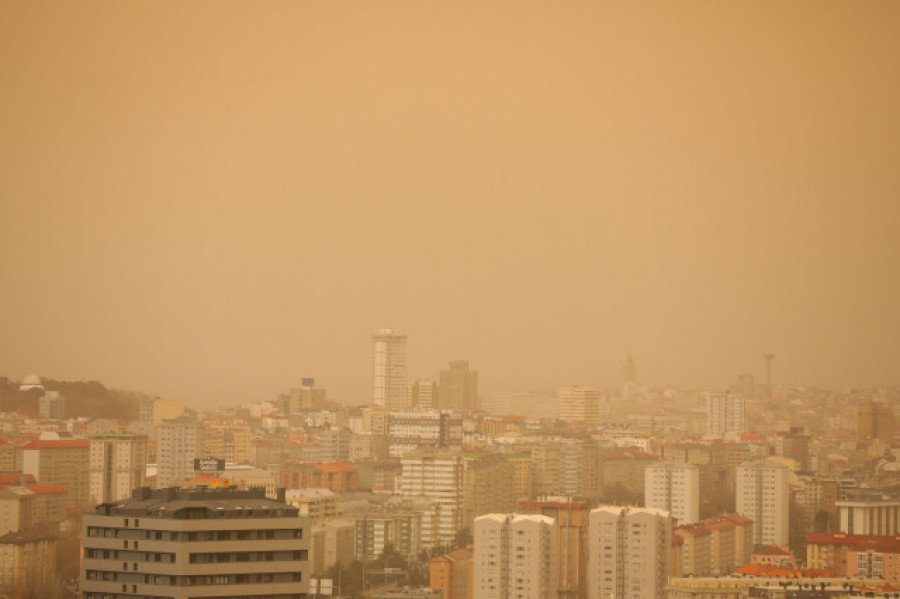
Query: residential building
{"x": 451, "y": 574}
{"x": 674, "y": 487}
{"x": 389, "y": 370}
{"x": 763, "y": 495}
{"x": 424, "y": 395}
{"x": 61, "y": 462}
{"x": 629, "y": 552}
{"x": 178, "y": 443}
{"x": 28, "y": 563}
{"x": 580, "y": 404}
{"x": 724, "y": 414}
{"x": 436, "y": 430}
{"x": 118, "y": 465}
{"x": 210, "y": 543}
{"x": 875, "y": 421}
{"x": 51, "y": 406}
{"x": 489, "y": 486}
{"x": 402, "y": 529}
{"x": 515, "y": 557}
{"x": 437, "y": 476}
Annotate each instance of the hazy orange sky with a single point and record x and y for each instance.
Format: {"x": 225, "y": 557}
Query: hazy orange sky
{"x": 209, "y": 200}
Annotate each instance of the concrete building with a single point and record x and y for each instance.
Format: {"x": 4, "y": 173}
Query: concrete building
{"x": 674, "y": 487}
{"x": 178, "y": 443}
{"x": 402, "y": 529}
{"x": 489, "y": 486}
{"x": 424, "y": 394}
{"x": 437, "y": 476}
{"x": 579, "y": 404}
{"x": 629, "y": 553}
{"x": 763, "y": 495}
{"x": 61, "y": 462}
{"x": 515, "y": 557}
{"x": 459, "y": 387}
{"x": 332, "y": 543}
{"x": 869, "y": 517}
{"x": 435, "y": 430}
{"x": 166, "y": 409}
{"x": 875, "y": 421}
{"x": 51, "y": 406}
{"x": 204, "y": 543}
{"x": 389, "y": 370}
{"x": 28, "y": 564}
{"x": 306, "y": 397}
{"x": 724, "y": 414}
{"x": 118, "y": 465}
{"x": 319, "y": 505}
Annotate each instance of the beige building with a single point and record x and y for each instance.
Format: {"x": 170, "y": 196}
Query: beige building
{"x": 629, "y": 552}
{"x": 318, "y": 505}
{"x": 61, "y": 462}
{"x": 332, "y": 542}
{"x": 437, "y": 476}
{"x": 178, "y": 443}
{"x": 451, "y": 574}
{"x": 489, "y": 487}
{"x": 28, "y": 563}
{"x": 118, "y": 464}
{"x": 205, "y": 543}
{"x": 763, "y": 495}
{"x": 580, "y": 404}
{"x": 515, "y": 557}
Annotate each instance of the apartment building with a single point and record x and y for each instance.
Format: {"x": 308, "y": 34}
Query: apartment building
{"x": 515, "y": 557}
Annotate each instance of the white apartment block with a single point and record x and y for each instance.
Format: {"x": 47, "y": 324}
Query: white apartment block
{"x": 579, "y": 404}
{"x": 763, "y": 495}
{"x": 628, "y": 552}
{"x": 675, "y": 488}
{"x": 439, "y": 478}
{"x": 515, "y": 557}
{"x": 431, "y": 429}
{"x": 178, "y": 442}
{"x": 724, "y": 414}
{"x": 117, "y": 465}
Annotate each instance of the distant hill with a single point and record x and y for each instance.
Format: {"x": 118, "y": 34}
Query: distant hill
{"x": 82, "y": 399}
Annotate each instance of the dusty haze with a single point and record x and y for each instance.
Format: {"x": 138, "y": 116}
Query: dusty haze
{"x": 207, "y": 201}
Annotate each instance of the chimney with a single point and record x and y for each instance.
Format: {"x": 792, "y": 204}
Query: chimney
{"x": 280, "y": 494}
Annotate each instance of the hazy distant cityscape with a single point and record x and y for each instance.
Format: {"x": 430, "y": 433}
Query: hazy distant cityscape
{"x": 432, "y": 490}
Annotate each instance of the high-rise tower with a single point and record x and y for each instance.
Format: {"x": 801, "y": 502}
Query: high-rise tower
{"x": 389, "y": 369}
{"x": 459, "y": 387}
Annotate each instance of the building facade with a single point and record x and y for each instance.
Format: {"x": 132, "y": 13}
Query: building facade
{"x": 459, "y": 387}
{"x": 389, "y": 370}
{"x": 674, "y": 487}
{"x": 763, "y": 495}
{"x": 724, "y": 414}
{"x": 579, "y": 404}
{"x": 629, "y": 554}
{"x": 118, "y": 465}
{"x": 514, "y": 557}
{"x": 204, "y": 543}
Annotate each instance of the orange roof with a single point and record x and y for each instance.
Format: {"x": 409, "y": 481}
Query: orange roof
{"x": 59, "y": 444}
{"x": 752, "y": 437}
{"x": 13, "y": 479}
{"x": 338, "y": 465}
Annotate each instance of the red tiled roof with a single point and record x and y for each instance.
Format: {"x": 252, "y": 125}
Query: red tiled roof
{"x": 772, "y": 550}
{"x": 338, "y": 465}
{"x": 752, "y": 437}
{"x": 884, "y": 544}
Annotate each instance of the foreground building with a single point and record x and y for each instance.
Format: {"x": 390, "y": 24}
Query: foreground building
{"x": 629, "y": 552}
{"x": 515, "y": 557}
{"x": 763, "y": 495}
{"x": 199, "y": 543}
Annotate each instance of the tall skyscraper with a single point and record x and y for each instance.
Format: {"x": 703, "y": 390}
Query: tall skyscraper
{"x": 724, "y": 414}
{"x": 629, "y": 554}
{"x": 118, "y": 465}
{"x": 579, "y": 404}
{"x": 763, "y": 495}
{"x": 674, "y": 487}
{"x": 875, "y": 421}
{"x": 459, "y": 387}
{"x": 515, "y": 557}
{"x": 389, "y": 370}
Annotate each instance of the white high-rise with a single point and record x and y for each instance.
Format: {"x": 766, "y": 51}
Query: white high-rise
{"x": 629, "y": 552}
{"x": 763, "y": 495}
{"x": 438, "y": 476}
{"x": 724, "y": 414}
{"x": 516, "y": 556}
{"x": 178, "y": 443}
{"x": 389, "y": 370}
{"x": 675, "y": 488}
{"x": 118, "y": 465}
{"x": 579, "y": 404}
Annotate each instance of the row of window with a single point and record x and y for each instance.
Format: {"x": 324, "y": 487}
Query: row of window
{"x": 210, "y": 535}
{"x": 196, "y": 580}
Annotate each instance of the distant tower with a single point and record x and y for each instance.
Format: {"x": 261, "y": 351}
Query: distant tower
{"x": 459, "y": 387}
{"x": 389, "y": 369}
{"x": 768, "y": 358}
{"x": 629, "y": 378}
